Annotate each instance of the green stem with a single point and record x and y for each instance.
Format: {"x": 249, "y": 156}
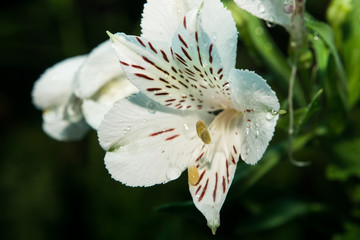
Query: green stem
{"x": 291, "y": 115}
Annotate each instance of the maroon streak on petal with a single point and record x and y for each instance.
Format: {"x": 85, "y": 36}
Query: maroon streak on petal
{"x": 124, "y": 63}
{"x": 186, "y": 53}
{"x": 200, "y": 156}
{"x": 162, "y": 93}
{"x": 223, "y": 184}
{"x": 172, "y": 137}
{"x": 215, "y": 188}
{"x": 164, "y": 55}
{"x": 210, "y": 56}
{"x": 137, "y": 66}
{"x": 161, "y": 132}
{"x": 203, "y": 191}
{"x": 182, "y": 41}
{"x": 143, "y": 76}
{"x": 141, "y": 42}
{"x": 152, "y": 48}
{"x": 153, "y": 89}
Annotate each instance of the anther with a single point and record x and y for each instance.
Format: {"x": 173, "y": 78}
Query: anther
{"x": 203, "y": 132}
{"x": 193, "y": 175}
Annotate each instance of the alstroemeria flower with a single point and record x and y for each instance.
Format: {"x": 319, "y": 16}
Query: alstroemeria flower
{"x": 287, "y": 13}
{"x": 80, "y": 86}
{"x": 154, "y": 136}
{"x": 53, "y": 94}
{"x": 100, "y": 82}
{"x": 274, "y": 11}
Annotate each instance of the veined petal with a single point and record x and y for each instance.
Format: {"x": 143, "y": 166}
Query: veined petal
{"x": 54, "y": 87}
{"x": 200, "y": 64}
{"x": 100, "y": 67}
{"x": 254, "y": 97}
{"x": 220, "y": 26}
{"x": 216, "y": 165}
{"x": 147, "y": 143}
{"x": 161, "y": 18}
{"x": 53, "y": 93}
{"x": 151, "y": 67}
{"x": 95, "y": 108}
{"x": 273, "y": 11}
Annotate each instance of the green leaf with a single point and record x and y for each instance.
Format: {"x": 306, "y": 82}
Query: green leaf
{"x": 348, "y": 164}
{"x": 324, "y": 31}
{"x": 248, "y": 175}
{"x": 309, "y": 110}
{"x": 352, "y": 232}
{"x": 278, "y": 213}
{"x": 343, "y": 16}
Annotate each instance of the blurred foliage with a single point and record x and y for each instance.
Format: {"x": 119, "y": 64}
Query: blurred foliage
{"x": 54, "y": 190}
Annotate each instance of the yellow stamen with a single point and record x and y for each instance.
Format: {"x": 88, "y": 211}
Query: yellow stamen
{"x": 193, "y": 175}
{"x": 203, "y": 132}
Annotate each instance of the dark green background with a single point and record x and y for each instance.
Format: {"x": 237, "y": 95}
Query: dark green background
{"x": 57, "y": 190}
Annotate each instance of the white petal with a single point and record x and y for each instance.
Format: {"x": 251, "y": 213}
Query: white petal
{"x": 147, "y": 143}
{"x": 254, "y": 97}
{"x": 54, "y": 87}
{"x": 216, "y": 163}
{"x": 150, "y": 66}
{"x": 219, "y": 24}
{"x": 60, "y": 124}
{"x": 99, "y": 104}
{"x": 53, "y": 93}
{"x": 199, "y": 60}
{"x": 273, "y": 11}
{"x": 161, "y": 18}
{"x": 101, "y": 66}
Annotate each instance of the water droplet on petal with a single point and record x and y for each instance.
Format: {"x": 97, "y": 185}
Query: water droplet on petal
{"x": 261, "y": 8}
{"x": 269, "y": 116}
{"x": 289, "y": 6}
{"x": 151, "y": 107}
{"x": 247, "y": 131}
{"x": 214, "y": 37}
{"x": 274, "y": 112}
{"x": 270, "y": 24}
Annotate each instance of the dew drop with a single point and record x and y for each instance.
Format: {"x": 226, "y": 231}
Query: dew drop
{"x": 270, "y": 24}
{"x": 151, "y": 107}
{"x": 247, "y": 131}
{"x": 127, "y": 129}
{"x": 289, "y": 6}
{"x": 274, "y": 112}
{"x": 214, "y": 37}
{"x": 261, "y": 8}
{"x": 269, "y": 116}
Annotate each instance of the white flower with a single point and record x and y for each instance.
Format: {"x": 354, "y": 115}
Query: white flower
{"x": 274, "y": 11}
{"x": 100, "y": 82}
{"x": 184, "y": 67}
{"x": 77, "y": 87}
{"x": 52, "y": 93}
